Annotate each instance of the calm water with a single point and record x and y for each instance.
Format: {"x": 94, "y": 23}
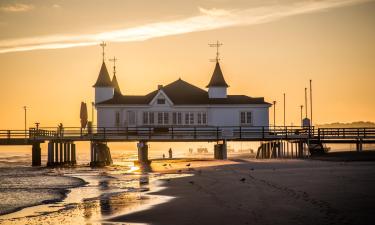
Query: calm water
{"x": 101, "y": 193}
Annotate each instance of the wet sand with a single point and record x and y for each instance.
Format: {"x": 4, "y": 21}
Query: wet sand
{"x": 263, "y": 192}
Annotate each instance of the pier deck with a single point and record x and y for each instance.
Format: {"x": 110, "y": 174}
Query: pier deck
{"x": 188, "y": 134}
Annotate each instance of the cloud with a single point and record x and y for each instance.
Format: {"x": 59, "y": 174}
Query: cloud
{"x": 208, "y": 19}
{"x": 17, "y": 7}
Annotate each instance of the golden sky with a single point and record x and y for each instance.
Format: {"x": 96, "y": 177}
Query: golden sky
{"x": 50, "y": 57}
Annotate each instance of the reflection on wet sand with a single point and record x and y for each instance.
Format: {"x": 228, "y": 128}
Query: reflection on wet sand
{"x": 109, "y": 192}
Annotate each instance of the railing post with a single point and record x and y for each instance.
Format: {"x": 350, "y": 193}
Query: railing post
{"x": 217, "y": 133}
{"x": 104, "y": 133}
{"x": 286, "y": 132}
{"x": 263, "y": 132}
{"x": 127, "y": 132}
{"x": 309, "y": 132}
{"x": 8, "y": 134}
{"x": 364, "y": 132}
{"x": 319, "y": 134}
{"x": 149, "y": 133}
{"x": 195, "y": 132}
{"x": 172, "y": 133}
{"x": 240, "y": 132}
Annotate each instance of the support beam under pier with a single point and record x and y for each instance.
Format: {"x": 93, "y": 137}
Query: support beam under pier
{"x": 220, "y": 151}
{"x": 36, "y": 155}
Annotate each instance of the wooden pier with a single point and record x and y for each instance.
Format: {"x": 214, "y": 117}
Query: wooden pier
{"x": 276, "y": 141}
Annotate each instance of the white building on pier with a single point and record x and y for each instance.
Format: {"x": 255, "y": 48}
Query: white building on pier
{"x": 178, "y": 104}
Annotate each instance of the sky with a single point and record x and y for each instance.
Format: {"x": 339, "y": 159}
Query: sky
{"x": 50, "y": 55}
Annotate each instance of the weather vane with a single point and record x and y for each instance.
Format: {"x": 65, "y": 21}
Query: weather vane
{"x": 103, "y": 45}
{"x": 217, "y": 46}
{"x": 114, "y": 59}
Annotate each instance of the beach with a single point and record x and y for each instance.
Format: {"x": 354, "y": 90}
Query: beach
{"x": 243, "y": 191}
{"x": 239, "y": 190}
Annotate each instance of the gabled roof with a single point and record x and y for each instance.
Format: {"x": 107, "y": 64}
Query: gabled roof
{"x": 217, "y": 78}
{"x": 103, "y": 79}
{"x": 182, "y": 93}
{"x": 115, "y": 84}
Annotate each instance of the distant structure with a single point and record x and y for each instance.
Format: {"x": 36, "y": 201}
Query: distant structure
{"x": 177, "y": 104}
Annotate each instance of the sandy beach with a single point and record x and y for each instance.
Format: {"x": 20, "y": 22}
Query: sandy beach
{"x": 239, "y": 190}
{"x": 243, "y": 191}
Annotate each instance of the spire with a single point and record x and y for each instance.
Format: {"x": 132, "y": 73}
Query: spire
{"x": 217, "y": 79}
{"x": 103, "y": 79}
{"x": 114, "y": 79}
{"x": 115, "y": 85}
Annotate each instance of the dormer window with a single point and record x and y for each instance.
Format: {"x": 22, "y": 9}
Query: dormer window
{"x": 161, "y": 101}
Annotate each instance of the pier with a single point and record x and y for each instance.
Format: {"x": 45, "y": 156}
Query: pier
{"x": 276, "y": 141}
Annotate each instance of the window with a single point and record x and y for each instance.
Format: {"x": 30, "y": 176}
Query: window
{"x": 160, "y": 118}
{"x": 160, "y": 101}
{"x": 179, "y": 118}
{"x": 117, "y": 122}
{"x": 151, "y": 117}
{"x": 145, "y": 117}
{"x": 243, "y": 117}
{"x": 204, "y": 118}
{"x": 246, "y": 118}
{"x": 191, "y": 118}
{"x": 131, "y": 117}
{"x": 174, "y": 118}
{"x": 186, "y": 118}
{"x": 166, "y": 118}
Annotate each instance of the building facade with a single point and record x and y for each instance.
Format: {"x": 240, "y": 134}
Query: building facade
{"x": 178, "y": 104}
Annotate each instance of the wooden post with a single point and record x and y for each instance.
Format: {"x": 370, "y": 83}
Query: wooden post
{"x": 36, "y": 154}
{"x": 74, "y": 158}
{"x": 56, "y": 152}
{"x": 68, "y": 152}
{"x": 65, "y": 155}
{"x": 50, "y": 155}
{"x": 142, "y": 152}
{"x": 61, "y": 153}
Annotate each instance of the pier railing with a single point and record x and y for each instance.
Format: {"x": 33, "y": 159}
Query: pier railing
{"x": 179, "y": 133}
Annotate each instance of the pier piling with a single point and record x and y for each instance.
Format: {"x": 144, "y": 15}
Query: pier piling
{"x": 36, "y": 155}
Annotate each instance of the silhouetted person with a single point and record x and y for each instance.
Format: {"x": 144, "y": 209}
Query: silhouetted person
{"x": 60, "y": 130}
{"x": 163, "y": 156}
{"x": 170, "y": 153}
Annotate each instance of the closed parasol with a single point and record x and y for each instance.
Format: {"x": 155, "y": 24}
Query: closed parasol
{"x": 83, "y": 115}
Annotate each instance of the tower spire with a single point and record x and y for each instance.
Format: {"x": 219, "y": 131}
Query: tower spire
{"x": 114, "y": 79}
{"x": 103, "y": 45}
{"x": 114, "y": 59}
{"x": 217, "y": 46}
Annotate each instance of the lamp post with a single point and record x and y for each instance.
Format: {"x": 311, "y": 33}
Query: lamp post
{"x": 311, "y": 110}
{"x": 274, "y": 115}
{"x": 92, "y": 112}
{"x": 25, "y": 110}
{"x": 284, "y": 109}
{"x": 301, "y": 113}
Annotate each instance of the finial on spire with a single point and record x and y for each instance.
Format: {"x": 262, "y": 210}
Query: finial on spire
{"x": 103, "y": 45}
{"x": 217, "y": 46}
{"x": 114, "y": 59}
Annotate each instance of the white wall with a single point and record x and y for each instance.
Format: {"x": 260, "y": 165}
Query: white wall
{"x": 220, "y": 116}
{"x": 217, "y": 92}
{"x": 216, "y": 115}
{"x": 103, "y": 93}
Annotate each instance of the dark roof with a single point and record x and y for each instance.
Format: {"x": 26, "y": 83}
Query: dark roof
{"x": 103, "y": 79}
{"x": 182, "y": 93}
{"x": 115, "y": 84}
{"x": 217, "y": 78}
